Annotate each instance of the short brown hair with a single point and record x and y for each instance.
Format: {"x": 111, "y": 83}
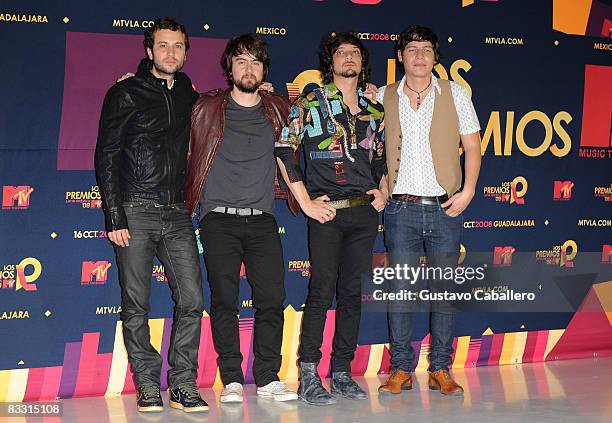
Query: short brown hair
{"x": 163, "y": 23}
{"x": 418, "y": 33}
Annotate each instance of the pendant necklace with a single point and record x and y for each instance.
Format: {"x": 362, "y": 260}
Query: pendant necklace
{"x": 418, "y": 93}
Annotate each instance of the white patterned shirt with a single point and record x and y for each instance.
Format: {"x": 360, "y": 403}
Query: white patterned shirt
{"x": 416, "y": 173}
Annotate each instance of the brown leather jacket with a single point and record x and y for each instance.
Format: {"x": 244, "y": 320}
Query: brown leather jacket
{"x": 207, "y": 124}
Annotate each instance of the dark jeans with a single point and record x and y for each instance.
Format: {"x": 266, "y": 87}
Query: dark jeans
{"x": 413, "y": 230}
{"x": 165, "y": 231}
{"x": 228, "y": 240}
{"x": 340, "y": 257}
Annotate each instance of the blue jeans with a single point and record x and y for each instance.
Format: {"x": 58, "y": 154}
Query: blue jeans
{"x": 413, "y": 230}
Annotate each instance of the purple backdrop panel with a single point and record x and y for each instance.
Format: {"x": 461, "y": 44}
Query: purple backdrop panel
{"x": 93, "y": 63}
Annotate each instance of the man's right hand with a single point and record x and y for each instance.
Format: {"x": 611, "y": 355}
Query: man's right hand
{"x": 125, "y": 76}
{"x": 120, "y": 237}
{"x": 319, "y": 210}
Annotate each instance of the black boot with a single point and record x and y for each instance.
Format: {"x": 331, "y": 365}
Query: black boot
{"x": 343, "y": 384}
{"x": 311, "y": 388}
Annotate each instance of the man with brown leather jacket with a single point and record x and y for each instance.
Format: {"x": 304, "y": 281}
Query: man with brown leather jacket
{"x": 231, "y": 175}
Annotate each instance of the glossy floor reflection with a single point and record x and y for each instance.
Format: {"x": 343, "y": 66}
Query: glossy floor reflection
{"x": 563, "y": 391}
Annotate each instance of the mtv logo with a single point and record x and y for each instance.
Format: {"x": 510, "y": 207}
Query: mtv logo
{"x": 16, "y": 196}
{"x": 563, "y": 190}
{"x": 502, "y": 256}
{"x": 606, "y": 253}
{"x": 96, "y": 204}
{"x": 94, "y": 272}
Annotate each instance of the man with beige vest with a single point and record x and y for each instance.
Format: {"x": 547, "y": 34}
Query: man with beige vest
{"x": 426, "y": 121}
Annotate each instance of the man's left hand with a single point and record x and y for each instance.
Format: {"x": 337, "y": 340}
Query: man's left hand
{"x": 267, "y": 86}
{"x": 458, "y": 203}
{"x": 380, "y": 199}
{"x": 371, "y": 91}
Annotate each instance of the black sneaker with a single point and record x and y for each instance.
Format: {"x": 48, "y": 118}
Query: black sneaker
{"x": 187, "y": 398}
{"x": 148, "y": 399}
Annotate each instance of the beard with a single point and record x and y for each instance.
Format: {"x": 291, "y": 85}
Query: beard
{"x": 249, "y": 86}
{"x": 349, "y": 73}
{"x": 166, "y": 68}
{"x": 346, "y": 72}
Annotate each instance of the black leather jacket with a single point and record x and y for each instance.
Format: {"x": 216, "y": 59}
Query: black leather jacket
{"x": 143, "y": 142}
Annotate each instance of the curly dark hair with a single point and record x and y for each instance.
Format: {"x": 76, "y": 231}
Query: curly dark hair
{"x": 330, "y": 44}
{"x": 418, "y": 33}
{"x": 241, "y": 44}
{"x": 163, "y": 23}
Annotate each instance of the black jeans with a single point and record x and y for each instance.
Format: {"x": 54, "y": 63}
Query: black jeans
{"x": 228, "y": 240}
{"x": 340, "y": 256}
{"x": 165, "y": 231}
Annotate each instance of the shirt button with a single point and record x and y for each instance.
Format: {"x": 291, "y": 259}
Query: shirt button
{"x": 398, "y": 159}
{"x": 400, "y": 136}
{"x": 396, "y": 170}
{"x": 399, "y": 148}
{"x": 394, "y": 181}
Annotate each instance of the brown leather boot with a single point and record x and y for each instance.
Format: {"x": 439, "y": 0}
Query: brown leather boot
{"x": 398, "y": 380}
{"x": 442, "y": 381}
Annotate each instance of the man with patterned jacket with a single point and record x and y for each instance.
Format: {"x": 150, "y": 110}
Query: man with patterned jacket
{"x": 341, "y": 133}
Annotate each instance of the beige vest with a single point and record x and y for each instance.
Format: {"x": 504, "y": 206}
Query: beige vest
{"x": 444, "y": 137}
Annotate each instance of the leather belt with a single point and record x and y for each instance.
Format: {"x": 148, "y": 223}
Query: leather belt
{"x": 238, "y": 211}
{"x": 149, "y": 204}
{"x": 352, "y": 202}
{"x": 429, "y": 201}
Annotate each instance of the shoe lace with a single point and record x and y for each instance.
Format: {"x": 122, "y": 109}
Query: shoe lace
{"x": 189, "y": 390}
{"x": 150, "y": 391}
{"x": 395, "y": 375}
{"x": 233, "y": 387}
{"x": 277, "y": 386}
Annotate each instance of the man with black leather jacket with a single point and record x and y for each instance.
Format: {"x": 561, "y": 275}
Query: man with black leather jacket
{"x": 141, "y": 159}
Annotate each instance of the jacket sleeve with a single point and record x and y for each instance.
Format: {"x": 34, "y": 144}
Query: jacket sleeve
{"x": 291, "y": 138}
{"x": 117, "y": 109}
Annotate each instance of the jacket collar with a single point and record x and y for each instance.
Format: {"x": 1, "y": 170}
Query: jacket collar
{"x": 332, "y": 92}
{"x": 144, "y": 72}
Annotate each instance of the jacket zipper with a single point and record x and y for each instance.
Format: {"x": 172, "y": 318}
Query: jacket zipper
{"x": 171, "y": 122}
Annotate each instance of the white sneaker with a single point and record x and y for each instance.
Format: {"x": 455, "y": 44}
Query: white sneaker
{"x": 276, "y": 390}
{"x": 232, "y": 393}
